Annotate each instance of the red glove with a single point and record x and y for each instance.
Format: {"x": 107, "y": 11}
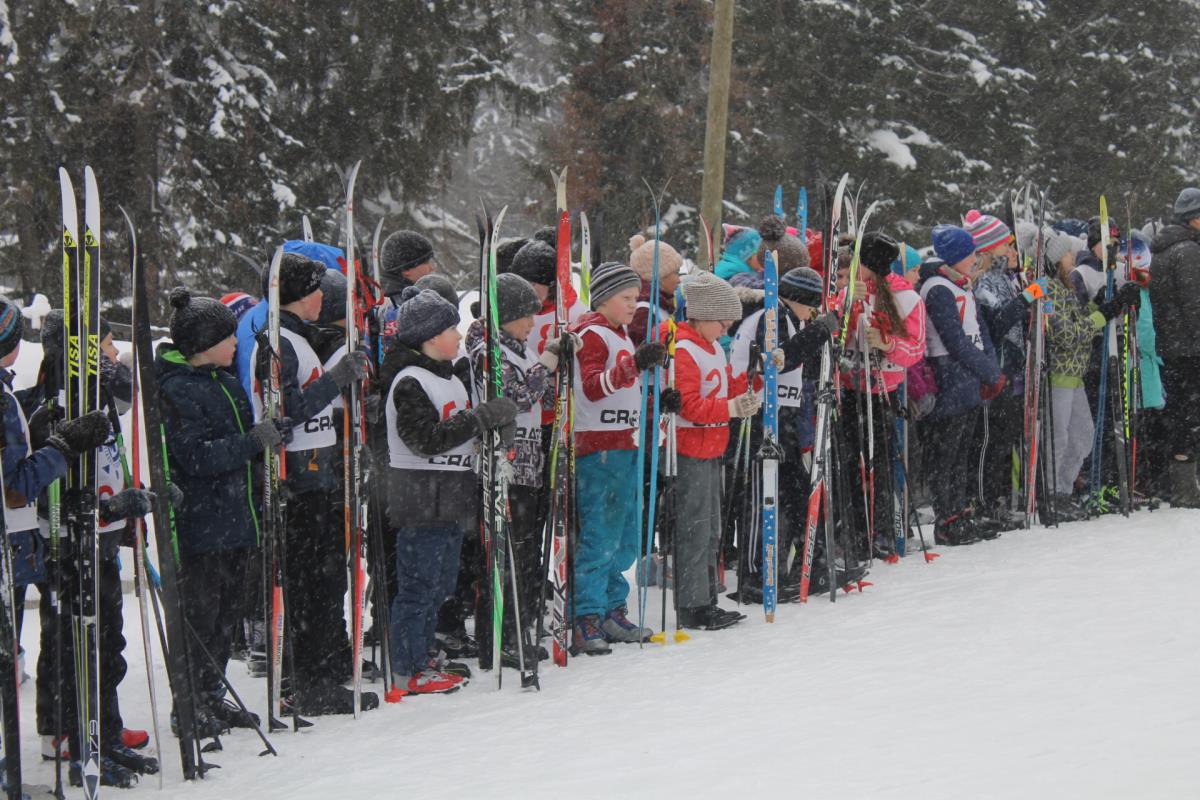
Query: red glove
{"x": 990, "y": 391}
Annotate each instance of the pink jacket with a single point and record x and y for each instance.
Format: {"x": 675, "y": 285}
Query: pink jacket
{"x": 910, "y": 345}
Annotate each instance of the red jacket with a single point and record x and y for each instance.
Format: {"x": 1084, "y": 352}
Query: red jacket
{"x": 599, "y": 382}
{"x": 706, "y": 442}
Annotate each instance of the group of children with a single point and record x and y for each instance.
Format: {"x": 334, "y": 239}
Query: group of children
{"x": 939, "y": 342}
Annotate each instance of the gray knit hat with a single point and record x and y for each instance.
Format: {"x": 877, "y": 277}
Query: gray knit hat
{"x": 440, "y": 284}
{"x": 402, "y": 251}
{"x": 423, "y": 314}
{"x": 612, "y": 278}
{"x": 1187, "y": 205}
{"x": 1057, "y": 245}
{"x": 536, "y": 262}
{"x": 515, "y": 298}
{"x": 711, "y": 298}
{"x": 803, "y": 286}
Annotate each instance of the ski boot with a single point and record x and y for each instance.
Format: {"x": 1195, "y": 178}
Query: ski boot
{"x": 589, "y": 638}
{"x": 433, "y": 682}
{"x": 207, "y": 726}
{"x": 458, "y": 644}
{"x": 131, "y": 760}
{"x": 231, "y": 714}
{"x": 953, "y": 531}
{"x": 618, "y": 628}
{"x": 1185, "y": 489}
{"x": 111, "y": 774}
{"x": 329, "y": 698}
{"x": 708, "y": 618}
{"x": 134, "y": 739}
{"x": 438, "y": 663}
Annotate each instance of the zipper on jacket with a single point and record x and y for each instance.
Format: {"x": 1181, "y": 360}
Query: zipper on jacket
{"x": 237, "y": 417}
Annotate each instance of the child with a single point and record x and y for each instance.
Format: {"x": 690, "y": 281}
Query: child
{"x": 433, "y": 499}
{"x": 212, "y": 444}
{"x": 316, "y": 560}
{"x": 711, "y": 396}
{"x": 528, "y": 382}
{"x": 964, "y": 364}
{"x": 1069, "y": 333}
{"x": 607, "y": 403}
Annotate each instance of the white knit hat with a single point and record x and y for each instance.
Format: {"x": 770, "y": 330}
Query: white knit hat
{"x": 711, "y": 298}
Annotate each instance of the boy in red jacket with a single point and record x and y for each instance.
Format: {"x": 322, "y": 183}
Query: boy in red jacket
{"x": 710, "y": 396}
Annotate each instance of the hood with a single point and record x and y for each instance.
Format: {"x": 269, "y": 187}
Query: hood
{"x": 1170, "y": 236}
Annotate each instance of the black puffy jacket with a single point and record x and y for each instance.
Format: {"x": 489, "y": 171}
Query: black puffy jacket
{"x": 207, "y": 417}
{"x": 1174, "y": 288}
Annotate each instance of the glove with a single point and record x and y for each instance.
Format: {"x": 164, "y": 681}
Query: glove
{"x": 744, "y": 405}
{"x": 1109, "y": 308}
{"x": 875, "y": 339}
{"x": 650, "y": 354}
{"x": 77, "y": 436}
{"x": 176, "y": 494}
{"x": 494, "y": 414}
{"x": 549, "y": 356}
{"x": 128, "y": 504}
{"x": 45, "y": 418}
{"x": 354, "y": 367}
{"x": 670, "y": 401}
{"x": 992, "y": 390}
{"x": 1130, "y": 296}
{"x": 778, "y": 357}
{"x": 1035, "y": 290}
{"x": 829, "y": 321}
{"x": 272, "y": 432}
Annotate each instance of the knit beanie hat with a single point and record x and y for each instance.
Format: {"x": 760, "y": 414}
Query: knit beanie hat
{"x": 239, "y": 303}
{"x": 987, "y": 231}
{"x": 711, "y": 298}
{"x": 298, "y": 277}
{"x": 1056, "y": 245}
{"x": 803, "y": 286}
{"x": 52, "y": 331}
{"x": 333, "y": 298}
{"x": 402, "y": 251}
{"x": 1187, "y": 205}
{"x": 878, "y": 252}
{"x": 198, "y": 323}
{"x": 536, "y": 262}
{"x": 612, "y": 278}
{"x": 1026, "y": 236}
{"x": 741, "y": 243}
{"x": 952, "y": 244}
{"x": 515, "y": 298}
{"x": 423, "y": 314}
{"x": 12, "y": 324}
{"x": 908, "y": 259}
{"x": 776, "y": 236}
{"x": 442, "y": 285}
{"x": 506, "y": 252}
{"x": 548, "y": 234}
{"x": 641, "y": 257}
{"x": 1095, "y": 232}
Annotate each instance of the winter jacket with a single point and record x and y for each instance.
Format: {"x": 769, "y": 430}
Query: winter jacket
{"x": 965, "y": 367}
{"x": 1174, "y": 289}
{"x": 1153, "y": 395}
{"x": 528, "y": 388}
{"x": 304, "y": 396}
{"x": 909, "y": 345}
{"x": 428, "y": 497}
{"x": 800, "y": 351}
{"x": 641, "y": 317}
{"x": 595, "y": 381}
{"x": 212, "y": 457}
{"x": 543, "y": 328}
{"x": 729, "y": 266}
{"x": 1088, "y": 277}
{"x": 1005, "y": 312}
{"x": 27, "y": 472}
{"x": 249, "y": 325}
{"x": 1069, "y": 333}
{"x": 707, "y": 408}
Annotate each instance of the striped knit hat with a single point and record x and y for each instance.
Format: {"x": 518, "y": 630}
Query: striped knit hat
{"x": 612, "y": 278}
{"x": 987, "y": 231}
{"x": 12, "y": 324}
{"x": 803, "y": 286}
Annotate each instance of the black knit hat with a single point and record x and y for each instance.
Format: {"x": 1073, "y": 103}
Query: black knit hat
{"x": 536, "y": 262}
{"x": 611, "y": 278}
{"x": 803, "y": 286}
{"x": 52, "y": 332}
{"x": 333, "y": 297}
{"x": 298, "y": 277}
{"x": 12, "y": 324}
{"x": 548, "y": 234}
{"x": 878, "y": 252}
{"x": 402, "y": 251}
{"x": 423, "y": 314}
{"x": 506, "y": 252}
{"x": 1095, "y": 230}
{"x": 198, "y": 323}
{"x": 440, "y": 284}
{"x": 515, "y": 298}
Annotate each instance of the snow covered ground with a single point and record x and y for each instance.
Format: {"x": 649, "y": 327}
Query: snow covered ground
{"x": 1051, "y": 663}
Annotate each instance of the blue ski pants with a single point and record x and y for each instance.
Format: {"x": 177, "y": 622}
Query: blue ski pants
{"x": 426, "y": 571}
{"x": 606, "y": 491}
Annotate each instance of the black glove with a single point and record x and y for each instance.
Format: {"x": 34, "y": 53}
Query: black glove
{"x": 1109, "y": 308}
{"x": 494, "y": 414}
{"x": 650, "y": 354}
{"x": 829, "y": 321}
{"x": 670, "y": 401}
{"x": 272, "y": 432}
{"x": 79, "y": 435}
{"x": 41, "y": 423}
{"x": 128, "y": 504}
{"x": 176, "y": 494}
{"x": 1130, "y": 295}
{"x": 354, "y": 367}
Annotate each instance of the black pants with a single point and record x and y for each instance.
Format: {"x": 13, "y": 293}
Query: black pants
{"x": 1181, "y": 382}
{"x": 855, "y": 435}
{"x": 949, "y": 450}
{"x": 212, "y": 587}
{"x": 1005, "y": 417}
{"x": 316, "y": 591}
{"x": 526, "y": 539}
{"x": 112, "y": 646}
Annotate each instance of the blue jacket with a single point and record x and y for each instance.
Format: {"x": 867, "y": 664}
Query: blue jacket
{"x": 206, "y": 416}
{"x": 26, "y": 473}
{"x": 1153, "y": 395}
{"x": 959, "y": 374}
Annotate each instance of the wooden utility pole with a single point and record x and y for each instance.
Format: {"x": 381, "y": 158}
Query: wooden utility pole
{"x": 716, "y": 128}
